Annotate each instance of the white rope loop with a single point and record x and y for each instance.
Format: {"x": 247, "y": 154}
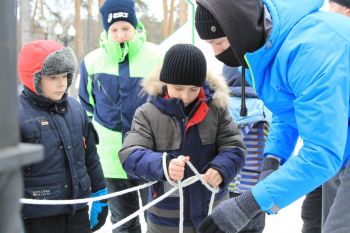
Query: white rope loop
{"x": 180, "y": 185}
{"x": 84, "y": 200}
{"x": 176, "y": 186}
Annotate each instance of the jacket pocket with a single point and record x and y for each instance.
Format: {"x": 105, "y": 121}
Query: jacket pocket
{"x": 44, "y": 192}
{"x": 85, "y": 184}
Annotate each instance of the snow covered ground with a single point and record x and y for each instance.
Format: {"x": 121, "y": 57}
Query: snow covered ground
{"x": 286, "y": 221}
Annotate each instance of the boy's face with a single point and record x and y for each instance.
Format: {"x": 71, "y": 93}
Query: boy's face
{"x": 219, "y": 45}
{"x": 54, "y": 86}
{"x": 121, "y": 31}
{"x": 186, "y": 93}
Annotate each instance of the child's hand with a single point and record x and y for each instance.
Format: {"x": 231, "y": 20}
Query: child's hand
{"x": 213, "y": 177}
{"x": 177, "y": 167}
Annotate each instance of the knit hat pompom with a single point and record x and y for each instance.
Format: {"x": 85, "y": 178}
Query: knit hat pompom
{"x": 118, "y": 10}
{"x": 44, "y": 58}
{"x": 184, "y": 64}
{"x": 206, "y": 25}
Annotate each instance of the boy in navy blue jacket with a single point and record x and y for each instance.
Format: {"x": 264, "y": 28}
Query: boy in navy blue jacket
{"x": 71, "y": 167}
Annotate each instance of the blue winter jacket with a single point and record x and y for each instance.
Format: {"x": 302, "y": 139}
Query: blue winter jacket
{"x": 70, "y": 168}
{"x": 302, "y": 74}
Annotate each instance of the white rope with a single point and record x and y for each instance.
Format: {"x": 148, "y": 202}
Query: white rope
{"x": 180, "y": 185}
{"x": 176, "y": 186}
{"x": 84, "y": 200}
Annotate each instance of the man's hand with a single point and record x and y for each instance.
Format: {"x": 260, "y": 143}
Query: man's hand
{"x": 177, "y": 168}
{"x": 232, "y": 215}
{"x": 213, "y": 177}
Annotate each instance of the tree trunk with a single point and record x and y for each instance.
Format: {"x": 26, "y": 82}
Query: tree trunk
{"x": 165, "y": 21}
{"x": 25, "y": 21}
{"x": 78, "y": 37}
{"x": 100, "y": 2}
{"x": 89, "y": 24}
{"x": 182, "y": 12}
{"x": 171, "y": 24}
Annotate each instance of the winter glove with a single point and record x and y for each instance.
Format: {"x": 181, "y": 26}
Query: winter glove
{"x": 99, "y": 211}
{"x": 232, "y": 215}
{"x": 270, "y": 164}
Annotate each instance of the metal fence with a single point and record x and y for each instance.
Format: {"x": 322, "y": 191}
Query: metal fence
{"x": 13, "y": 154}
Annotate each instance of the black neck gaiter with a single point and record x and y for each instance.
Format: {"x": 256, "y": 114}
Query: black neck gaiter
{"x": 228, "y": 58}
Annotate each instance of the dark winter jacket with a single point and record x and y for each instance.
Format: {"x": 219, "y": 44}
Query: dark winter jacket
{"x": 207, "y": 135}
{"x": 71, "y": 167}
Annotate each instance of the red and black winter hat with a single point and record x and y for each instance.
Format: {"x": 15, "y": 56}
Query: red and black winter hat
{"x": 184, "y": 64}
{"x": 207, "y": 26}
{"x": 43, "y": 58}
{"x": 345, "y": 3}
{"x": 118, "y": 10}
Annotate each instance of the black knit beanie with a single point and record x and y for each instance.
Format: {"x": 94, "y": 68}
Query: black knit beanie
{"x": 184, "y": 64}
{"x": 345, "y": 3}
{"x": 207, "y": 26}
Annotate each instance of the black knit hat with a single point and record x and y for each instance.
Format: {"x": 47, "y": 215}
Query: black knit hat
{"x": 118, "y": 10}
{"x": 207, "y": 27}
{"x": 345, "y": 3}
{"x": 184, "y": 64}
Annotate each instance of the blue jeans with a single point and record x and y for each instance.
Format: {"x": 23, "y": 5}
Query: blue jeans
{"x": 125, "y": 205}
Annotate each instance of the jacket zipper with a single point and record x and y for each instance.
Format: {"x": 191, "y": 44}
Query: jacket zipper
{"x": 101, "y": 88}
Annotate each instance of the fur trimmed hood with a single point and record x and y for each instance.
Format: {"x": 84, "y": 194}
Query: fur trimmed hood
{"x": 153, "y": 86}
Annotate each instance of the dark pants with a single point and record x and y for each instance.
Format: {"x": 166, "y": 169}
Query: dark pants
{"x": 125, "y": 205}
{"x": 311, "y": 212}
{"x": 77, "y": 223}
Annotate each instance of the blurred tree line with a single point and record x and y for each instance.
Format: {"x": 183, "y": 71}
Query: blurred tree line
{"x": 43, "y": 19}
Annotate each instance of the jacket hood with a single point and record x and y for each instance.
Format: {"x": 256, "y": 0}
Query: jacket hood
{"x": 118, "y": 53}
{"x": 217, "y": 84}
{"x": 242, "y": 23}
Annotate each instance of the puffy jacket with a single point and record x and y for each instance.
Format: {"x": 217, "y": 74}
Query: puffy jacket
{"x": 110, "y": 79}
{"x": 208, "y": 136}
{"x": 70, "y": 168}
{"x": 306, "y": 85}
{"x": 110, "y": 89}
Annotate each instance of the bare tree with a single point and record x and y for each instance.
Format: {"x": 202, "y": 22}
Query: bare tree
{"x": 165, "y": 19}
{"x": 89, "y": 23}
{"x": 26, "y": 25}
{"x": 182, "y": 12}
{"x": 78, "y": 38}
{"x": 171, "y": 23}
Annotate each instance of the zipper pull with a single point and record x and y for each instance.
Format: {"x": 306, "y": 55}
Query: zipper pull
{"x": 99, "y": 85}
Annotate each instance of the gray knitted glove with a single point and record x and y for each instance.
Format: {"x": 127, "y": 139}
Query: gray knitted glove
{"x": 232, "y": 215}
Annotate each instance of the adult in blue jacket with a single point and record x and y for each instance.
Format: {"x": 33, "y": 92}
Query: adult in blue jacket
{"x": 297, "y": 60}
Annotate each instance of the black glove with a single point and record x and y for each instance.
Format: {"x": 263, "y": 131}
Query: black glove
{"x": 270, "y": 164}
{"x": 232, "y": 215}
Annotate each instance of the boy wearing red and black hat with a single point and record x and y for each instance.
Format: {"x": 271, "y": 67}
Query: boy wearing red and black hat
{"x": 185, "y": 115}
{"x": 71, "y": 167}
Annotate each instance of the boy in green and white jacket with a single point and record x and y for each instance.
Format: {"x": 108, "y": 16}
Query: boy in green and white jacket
{"x": 110, "y": 92}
